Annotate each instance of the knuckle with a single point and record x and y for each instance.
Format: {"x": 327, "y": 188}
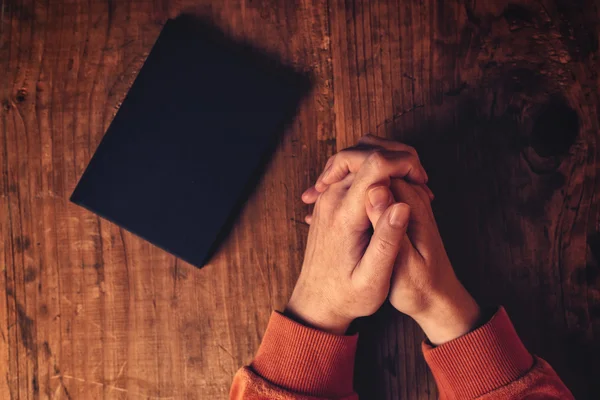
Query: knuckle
{"x": 340, "y": 156}
{"x": 385, "y": 246}
{"x": 413, "y": 151}
{"x": 344, "y": 153}
{"x": 376, "y": 158}
{"x": 344, "y": 157}
{"x": 409, "y": 155}
{"x": 410, "y": 159}
{"x": 414, "y": 159}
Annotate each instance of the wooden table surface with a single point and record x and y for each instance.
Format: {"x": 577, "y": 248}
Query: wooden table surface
{"x": 500, "y": 98}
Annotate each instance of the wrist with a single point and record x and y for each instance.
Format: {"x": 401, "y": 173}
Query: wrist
{"x": 316, "y": 317}
{"x": 451, "y": 314}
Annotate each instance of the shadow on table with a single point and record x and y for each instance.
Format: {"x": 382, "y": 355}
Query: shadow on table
{"x": 495, "y": 172}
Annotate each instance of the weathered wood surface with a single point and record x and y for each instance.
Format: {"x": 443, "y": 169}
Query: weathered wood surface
{"x": 499, "y": 97}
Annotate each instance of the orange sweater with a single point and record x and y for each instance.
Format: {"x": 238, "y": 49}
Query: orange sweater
{"x": 298, "y": 362}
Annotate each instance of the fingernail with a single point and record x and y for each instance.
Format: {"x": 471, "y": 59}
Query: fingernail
{"x": 379, "y": 197}
{"x": 398, "y": 217}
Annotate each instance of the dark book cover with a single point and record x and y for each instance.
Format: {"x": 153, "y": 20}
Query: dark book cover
{"x": 190, "y": 139}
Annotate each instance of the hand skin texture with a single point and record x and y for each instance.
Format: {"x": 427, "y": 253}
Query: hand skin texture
{"x": 347, "y": 270}
{"x": 345, "y": 275}
{"x": 373, "y": 237}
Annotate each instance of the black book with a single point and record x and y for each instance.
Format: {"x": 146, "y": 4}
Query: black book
{"x": 190, "y": 139}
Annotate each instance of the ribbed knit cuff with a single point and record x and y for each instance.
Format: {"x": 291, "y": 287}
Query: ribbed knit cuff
{"x": 479, "y": 362}
{"x": 304, "y": 360}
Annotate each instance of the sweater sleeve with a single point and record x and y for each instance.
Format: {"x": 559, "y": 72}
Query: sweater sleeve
{"x": 492, "y": 363}
{"x": 297, "y": 362}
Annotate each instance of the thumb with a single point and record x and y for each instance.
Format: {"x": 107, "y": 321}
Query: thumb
{"x": 377, "y": 264}
{"x": 377, "y": 201}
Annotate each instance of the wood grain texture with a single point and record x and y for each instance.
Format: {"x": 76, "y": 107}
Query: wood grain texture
{"x": 500, "y": 98}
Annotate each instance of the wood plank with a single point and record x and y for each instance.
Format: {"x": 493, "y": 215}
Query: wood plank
{"x": 484, "y": 90}
{"x": 89, "y": 310}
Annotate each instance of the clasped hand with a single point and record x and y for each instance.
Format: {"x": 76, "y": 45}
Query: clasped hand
{"x": 373, "y": 236}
